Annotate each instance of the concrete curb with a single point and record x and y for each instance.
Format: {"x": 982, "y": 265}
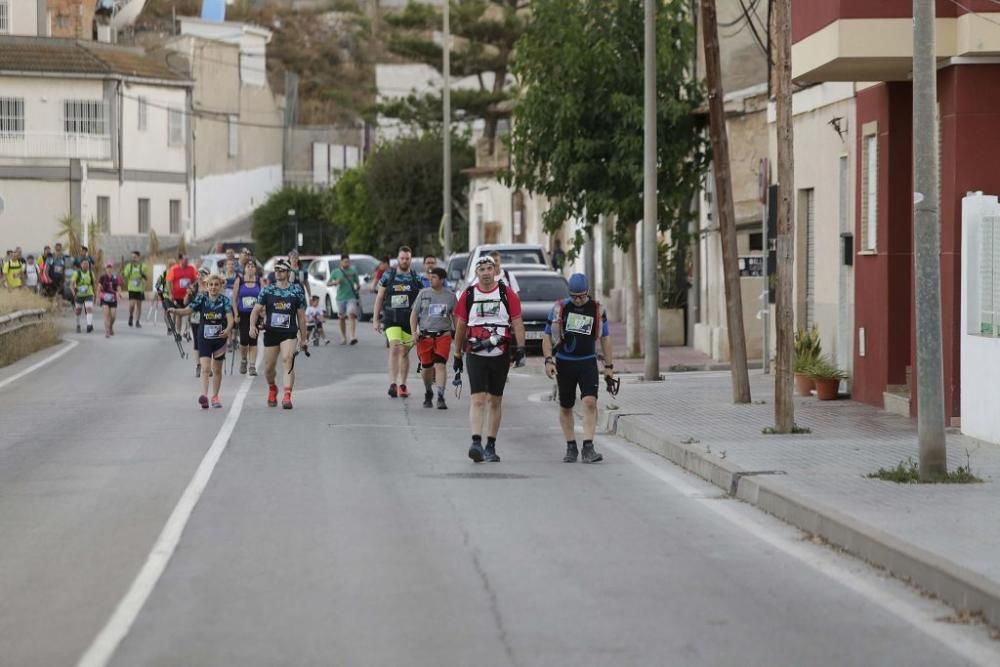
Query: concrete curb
{"x": 956, "y": 585}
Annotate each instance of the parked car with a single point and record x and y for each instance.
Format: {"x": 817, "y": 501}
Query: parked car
{"x": 540, "y": 289}
{"x": 304, "y": 260}
{"x": 457, "y": 264}
{"x": 319, "y": 278}
{"x": 512, "y": 255}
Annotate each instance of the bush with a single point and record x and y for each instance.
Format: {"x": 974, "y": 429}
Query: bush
{"x": 274, "y": 231}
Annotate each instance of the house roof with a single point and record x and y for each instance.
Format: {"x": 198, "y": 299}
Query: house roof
{"x": 76, "y": 57}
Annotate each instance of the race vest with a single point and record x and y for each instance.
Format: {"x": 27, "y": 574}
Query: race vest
{"x": 247, "y": 298}
{"x": 488, "y": 315}
{"x": 84, "y": 284}
{"x": 135, "y": 274}
{"x": 576, "y": 329}
{"x": 400, "y": 298}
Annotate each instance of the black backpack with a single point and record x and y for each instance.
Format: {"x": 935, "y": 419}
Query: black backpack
{"x": 389, "y": 314}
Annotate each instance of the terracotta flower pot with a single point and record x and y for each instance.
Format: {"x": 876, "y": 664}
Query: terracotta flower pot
{"x": 804, "y": 384}
{"x": 827, "y": 389}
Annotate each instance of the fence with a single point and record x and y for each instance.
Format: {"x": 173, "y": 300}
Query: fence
{"x": 20, "y": 319}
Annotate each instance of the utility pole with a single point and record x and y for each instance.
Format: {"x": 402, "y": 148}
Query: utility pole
{"x": 650, "y": 246}
{"x": 927, "y": 247}
{"x": 446, "y": 131}
{"x": 726, "y": 208}
{"x": 784, "y": 406}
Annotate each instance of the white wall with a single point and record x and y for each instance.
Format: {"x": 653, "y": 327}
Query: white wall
{"x": 225, "y": 198}
{"x": 150, "y": 149}
{"x": 23, "y": 17}
{"x": 31, "y": 213}
{"x": 124, "y": 202}
{"x": 980, "y": 354}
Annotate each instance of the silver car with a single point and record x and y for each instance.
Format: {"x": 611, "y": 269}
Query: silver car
{"x": 319, "y": 282}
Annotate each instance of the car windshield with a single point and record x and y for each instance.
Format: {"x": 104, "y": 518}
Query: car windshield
{"x": 542, "y": 288}
{"x": 363, "y": 265}
{"x": 457, "y": 265}
{"x": 522, "y": 256}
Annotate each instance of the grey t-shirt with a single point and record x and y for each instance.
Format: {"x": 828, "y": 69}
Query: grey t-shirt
{"x": 434, "y": 309}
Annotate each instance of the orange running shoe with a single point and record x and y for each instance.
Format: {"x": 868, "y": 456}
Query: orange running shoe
{"x": 286, "y": 400}
{"x": 272, "y": 396}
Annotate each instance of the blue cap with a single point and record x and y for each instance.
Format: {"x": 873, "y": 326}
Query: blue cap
{"x": 578, "y": 284}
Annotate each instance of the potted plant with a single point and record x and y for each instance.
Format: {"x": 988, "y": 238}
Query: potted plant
{"x": 807, "y": 352}
{"x": 827, "y": 377}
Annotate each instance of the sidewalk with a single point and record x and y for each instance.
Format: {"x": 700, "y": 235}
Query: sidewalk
{"x": 944, "y": 538}
{"x": 678, "y": 358}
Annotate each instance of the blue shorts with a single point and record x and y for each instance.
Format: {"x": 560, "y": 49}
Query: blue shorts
{"x": 210, "y": 347}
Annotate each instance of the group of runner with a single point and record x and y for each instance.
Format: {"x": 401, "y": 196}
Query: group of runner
{"x": 482, "y": 331}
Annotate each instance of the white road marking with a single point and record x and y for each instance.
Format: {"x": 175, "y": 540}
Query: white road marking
{"x": 950, "y": 635}
{"x": 34, "y": 367}
{"x": 117, "y": 628}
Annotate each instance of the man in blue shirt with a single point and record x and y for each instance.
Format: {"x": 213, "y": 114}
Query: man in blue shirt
{"x": 574, "y": 327}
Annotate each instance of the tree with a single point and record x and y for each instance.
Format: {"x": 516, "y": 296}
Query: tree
{"x": 352, "y": 213}
{"x": 577, "y": 134}
{"x": 484, "y": 33}
{"x": 274, "y": 229}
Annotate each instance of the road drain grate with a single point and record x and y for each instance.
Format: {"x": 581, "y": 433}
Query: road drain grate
{"x": 479, "y": 475}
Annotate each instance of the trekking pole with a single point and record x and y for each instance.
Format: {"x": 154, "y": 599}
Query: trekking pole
{"x": 232, "y": 352}
{"x": 173, "y": 330}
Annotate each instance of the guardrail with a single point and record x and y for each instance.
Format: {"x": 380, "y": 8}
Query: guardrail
{"x": 20, "y": 319}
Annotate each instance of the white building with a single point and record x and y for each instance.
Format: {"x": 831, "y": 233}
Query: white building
{"x": 93, "y": 131}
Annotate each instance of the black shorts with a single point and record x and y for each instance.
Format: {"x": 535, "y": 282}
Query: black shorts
{"x": 487, "y": 374}
{"x": 136, "y": 296}
{"x": 245, "y": 338}
{"x": 275, "y": 338}
{"x": 196, "y": 336}
{"x": 80, "y": 300}
{"x": 210, "y": 347}
{"x": 573, "y": 374}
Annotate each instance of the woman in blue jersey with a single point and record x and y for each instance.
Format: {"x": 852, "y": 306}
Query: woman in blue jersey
{"x": 245, "y": 291}
{"x": 216, "y": 323}
{"x": 281, "y": 314}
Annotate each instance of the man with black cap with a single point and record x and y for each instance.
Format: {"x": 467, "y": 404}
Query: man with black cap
{"x": 574, "y": 327}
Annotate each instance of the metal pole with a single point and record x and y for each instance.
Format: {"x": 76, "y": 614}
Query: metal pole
{"x": 927, "y": 246}
{"x": 649, "y": 221}
{"x": 765, "y": 297}
{"x": 446, "y": 130}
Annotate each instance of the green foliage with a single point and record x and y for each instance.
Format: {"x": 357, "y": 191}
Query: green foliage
{"x": 578, "y": 127}
{"x": 395, "y": 199}
{"x": 823, "y": 368}
{"x": 796, "y": 430}
{"x": 671, "y": 274}
{"x": 807, "y": 348}
{"x": 908, "y": 472}
{"x": 274, "y": 235}
{"x": 484, "y": 33}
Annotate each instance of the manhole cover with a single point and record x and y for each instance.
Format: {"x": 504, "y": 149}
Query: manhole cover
{"x": 478, "y": 475}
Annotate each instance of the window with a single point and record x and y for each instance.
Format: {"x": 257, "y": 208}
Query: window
{"x": 143, "y": 216}
{"x": 869, "y": 190}
{"x": 84, "y": 117}
{"x": 175, "y": 216}
{"x": 11, "y": 115}
{"x": 4, "y": 17}
{"x": 104, "y": 214}
{"x": 175, "y": 127}
{"x": 234, "y": 136}
{"x": 756, "y": 241}
{"x": 143, "y": 114}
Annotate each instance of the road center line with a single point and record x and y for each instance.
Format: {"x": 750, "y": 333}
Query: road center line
{"x": 117, "y": 628}
{"x": 950, "y": 636}
{"x": 34, "y": 367}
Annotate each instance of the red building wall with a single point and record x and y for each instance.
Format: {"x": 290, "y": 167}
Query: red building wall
{"x": 811, "y": 16}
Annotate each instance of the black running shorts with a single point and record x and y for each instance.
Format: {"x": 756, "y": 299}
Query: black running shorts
{"x": 573, "y": 374}
{"x": 136, "y": 296}
{"x": 487, "y": 374}
{"x": 275, "y": 338}
{"x": 245, "y": 338}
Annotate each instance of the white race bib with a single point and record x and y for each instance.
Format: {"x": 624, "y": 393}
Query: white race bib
{"x": 108, "y": 297}
{"x": 438, "y": 310}
{"x": 212, "y": 331}
{"x": 184, "y": 282}
{"x": 280, "y": 321}
{"x": 249, "y": 302}
{"x": 83, "y": 289}
{"x": 400, "y": 301}
{"x": 580, "y": 324}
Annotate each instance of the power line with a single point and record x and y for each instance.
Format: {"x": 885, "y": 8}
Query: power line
{"x": 977, "y": 14}
{"x": 204, "y": 114}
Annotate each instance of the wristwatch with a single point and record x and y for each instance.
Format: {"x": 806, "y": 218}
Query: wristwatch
{"x": 549, "y": 360}
{"x": 611, "y": 366}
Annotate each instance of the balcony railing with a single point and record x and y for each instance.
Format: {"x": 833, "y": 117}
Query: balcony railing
{"x": 55, "y": 145}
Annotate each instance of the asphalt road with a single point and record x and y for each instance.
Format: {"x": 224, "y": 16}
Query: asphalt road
{"x": 353, "y": 530}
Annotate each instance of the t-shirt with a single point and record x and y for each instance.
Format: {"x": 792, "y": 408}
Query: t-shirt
{"x": 576, "y": 333}
{"x": 56, "y": 266}
{"x": 31, "y": 274}
{"x": 281, "y": 307}
{"x": 435, "y": 309}
{"x": 508, "y": 279}
{"x": 135, "y": 275}
{"x": 349, "y": 286}
{"x": 399, "y": 296}
{"x": 213, "y": 314}
{"x": 109, "y": 288}
{"x": 314, "y": 315}
{"x": 488, "y": 315}
{"x": 83, "y": 284}
{"x": 180, "y": 279}
{"x": 13, "y": 271}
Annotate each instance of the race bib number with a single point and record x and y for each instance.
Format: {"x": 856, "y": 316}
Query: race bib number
{"x": 281, "y": 321}
{"x": 184, "y": 282}
{"x": 212, "y": 331}
{"x": 438, "y": 310}
{"x": 249, "y": 302}
{"x": 488, "y": 308}
{"x": 400, "y": 301}
{"x": 82, "y": 290}
{"x": 57, "y": 268}
{"x": 135, "y": 284}
{"x": 108, "y": 297}
{"x": 580, "y": 324}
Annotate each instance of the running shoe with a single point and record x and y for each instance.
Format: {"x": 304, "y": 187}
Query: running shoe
{"x": 589, "y": 454}
{"x": 90, "y": 328}
{"x": 428, "y": 399}
{"x": 490, "y": 455}
{"x": 78, "y": 328}
{"x": 272, "y": 396}
{"x": 354, "y": 341}
{"x": 571, "y": 453}
{"x": 392, "y": 390}
{"x": 203, "y": 402}
{"x": 243, "y": 366}
{"x": 476, "y": 451}
{"x": 138, "y": 324}
{"x": 441, "y": 404}
{"x": 253, "y": 371}
{"x": 216, "y": 403}
{"x": 403, "y": 391}
{"x": 130, "y": 321}
{"x": 286, "y": 400}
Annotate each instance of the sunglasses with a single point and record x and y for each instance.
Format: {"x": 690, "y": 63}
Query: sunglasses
{"x": 578, "y": 297}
